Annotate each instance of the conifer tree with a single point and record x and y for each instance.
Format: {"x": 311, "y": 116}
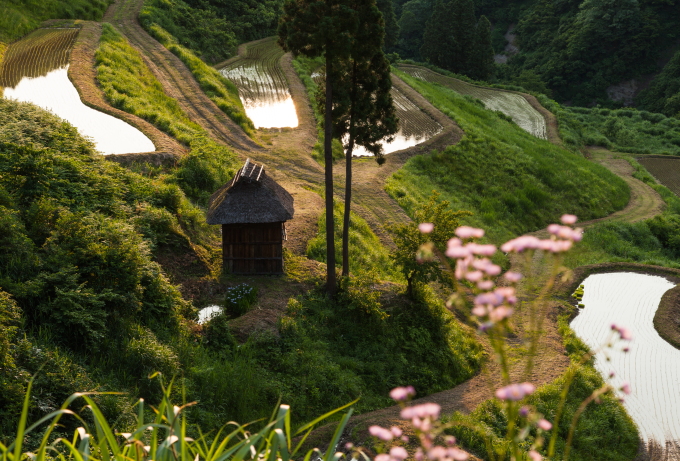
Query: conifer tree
{"x": 363, "y": 113}
{"x": 482, "y": 63}
{"x": 386, "y": 7}
{"x": 464, "y": 26}
{"x": 322, "y": 28}
{"x": 438, "y": 43}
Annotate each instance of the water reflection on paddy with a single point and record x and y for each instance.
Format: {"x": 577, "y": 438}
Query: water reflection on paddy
{"x": 652, "y": 367}
{"x": 415, "y": 126}
{"x": 208, "y": 313}
{"x": 55, "y": 92}
{"x": 262, "y": 86}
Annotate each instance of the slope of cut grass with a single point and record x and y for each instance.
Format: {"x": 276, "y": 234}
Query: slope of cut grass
{"x": 220, "y": 90}
{"x": 511, "y": 181}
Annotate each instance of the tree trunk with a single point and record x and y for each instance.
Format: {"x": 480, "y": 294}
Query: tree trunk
{"x": 331, "y": 283}
{"x": 348, "y": 178}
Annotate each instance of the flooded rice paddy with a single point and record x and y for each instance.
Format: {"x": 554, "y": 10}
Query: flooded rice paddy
{"x": 35, "y": 70}
{"x": 652, "y": 367}
{"x": 262, "y": 85}
{"x": 415, "y": 126}
{"x": 208, "y": 313}
{"x": 511, "y": 104}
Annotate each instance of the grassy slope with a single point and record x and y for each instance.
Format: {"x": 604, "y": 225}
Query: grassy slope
{"x": 18, "y": 18}
{"x": 511, "y": 181}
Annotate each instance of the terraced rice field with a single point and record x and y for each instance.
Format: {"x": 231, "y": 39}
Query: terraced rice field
{"x": 35, "y": 70}
{"x": 415, "y": 126}
{"x": 262, "y": 85}
{"x": 665, "y": 170}
{"x": 651, "y": 367}
{"x": 511, "y": 104}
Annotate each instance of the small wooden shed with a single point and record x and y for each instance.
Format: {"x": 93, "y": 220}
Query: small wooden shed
{"x": 252, "y": 209}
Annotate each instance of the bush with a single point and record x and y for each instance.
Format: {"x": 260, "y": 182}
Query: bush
{"x": 239, "y": 299}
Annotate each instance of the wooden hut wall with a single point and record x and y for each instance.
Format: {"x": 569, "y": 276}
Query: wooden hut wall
{"x": 253, "y": 248}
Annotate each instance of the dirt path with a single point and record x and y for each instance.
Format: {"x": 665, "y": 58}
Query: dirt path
{"x": 176, "y": 78}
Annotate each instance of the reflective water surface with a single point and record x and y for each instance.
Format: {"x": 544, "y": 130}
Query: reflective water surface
{"x": 55, "y": 92}
{"x": 415, "y": 126}
{"x": 262, "y": 86}
{"x": 652, "y": 367}
{"x": 207, "y": 313}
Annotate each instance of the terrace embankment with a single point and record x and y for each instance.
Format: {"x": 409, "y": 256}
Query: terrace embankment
{"x": 177, "y": 80}
{"x": 82, "y": 74}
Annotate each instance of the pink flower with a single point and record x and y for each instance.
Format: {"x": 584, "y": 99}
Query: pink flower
{"x": 535, "y": 456}
{"x": 577, "y": 235}
{"x": 419, "y": 455}
{"x": 626, "y": 388}
{"x": 457, "y": 252}
{"x": 513, "y": 277}
{"x": 425, "y": 410}
{"x": 481, "y": 250}
{"x": 426, "y": 227}
{"x": 475, "y": 276}
{"x": 397, "y": 432}
{"x": 479, "y": 311}
{"x": 569, "y": 219}
{"x": 402, "y": 393}
{"x": 625, "y": 333}
{"x": 553, "y": 229}
{"x": 544, "y": 424}
{"x": 437, "y": 452}
{"x": 494, "y": 299}
{"x": 398, "y": 453}
{"x": 381, "y": 433}
{"x": 492, "y": 270}
{"x": 457, "y": 454}
{"x": 383, "y": 457}
{"x": 466, "y": 232}
{"x": 485, "y": 285}
{"x": 525, "y": 242}
{"x": 515, "y": 392}
{"x": 450, "y": 440}
{"x": 500, "y": 313}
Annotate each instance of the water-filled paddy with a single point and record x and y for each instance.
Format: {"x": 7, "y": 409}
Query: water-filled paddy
{"x": 262, "y": 86}
{"x": 511, "y": 104}
{"x": 209, "y": 312}
{"x": 36, "y": 70}
{"x": 415, "y": 126}
{"x": 652, "y": 367}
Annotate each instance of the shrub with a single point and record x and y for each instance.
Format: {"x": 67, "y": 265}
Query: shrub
{"x": 239, "y": 299}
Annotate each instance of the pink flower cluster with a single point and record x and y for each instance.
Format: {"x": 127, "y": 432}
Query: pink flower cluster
{"x": 561, "y": 238}
{"x": 515, "y": 392}
{"x": 623, "y": 332}
{"x": 401, "y": 394}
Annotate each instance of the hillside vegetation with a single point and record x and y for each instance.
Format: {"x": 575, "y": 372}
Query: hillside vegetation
{"x": 19, "y": 17}
{"x": 511, "y": 181}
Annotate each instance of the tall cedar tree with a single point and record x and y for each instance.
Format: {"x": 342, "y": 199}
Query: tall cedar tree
{"x": 464, "y": 24}
{"x": 482, "y": 58}
{"x": 438, "y": 43}
{"x": 315, "y": 28}
{"x": 386, "y": 7}
{"x": 363, "y": 113}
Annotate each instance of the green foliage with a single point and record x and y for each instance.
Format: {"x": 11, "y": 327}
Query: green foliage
{"x": 202, "y": 31}
{"x": 367, "y": 253}
{"x": 239, "y": 299}
{"x": 482, "y": 63}
{"x": 623, "y": 130}
{"x": 511, "y": 181}
{"x": 439, "y": 47}
{"x": 419, "y": 342}
{"x": 663, "y": 94}
{"x": 409, "y": 240}
{"x": 18, "y": 18}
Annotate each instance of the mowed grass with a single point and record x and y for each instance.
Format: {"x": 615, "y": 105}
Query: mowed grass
{"x": 17, "y": 18}
{"x": 220, "y": 90}
{"x": 511, "y": 181}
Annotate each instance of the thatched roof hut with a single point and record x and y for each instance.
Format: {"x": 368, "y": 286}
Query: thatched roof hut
{"x": 252, "y": 209}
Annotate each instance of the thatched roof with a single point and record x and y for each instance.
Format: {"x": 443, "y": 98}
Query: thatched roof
{"x": 250, "y": 197}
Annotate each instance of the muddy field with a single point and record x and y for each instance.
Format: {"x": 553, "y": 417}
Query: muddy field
{"x": 665, "y": 170}
{"x": 511, "y": 104}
